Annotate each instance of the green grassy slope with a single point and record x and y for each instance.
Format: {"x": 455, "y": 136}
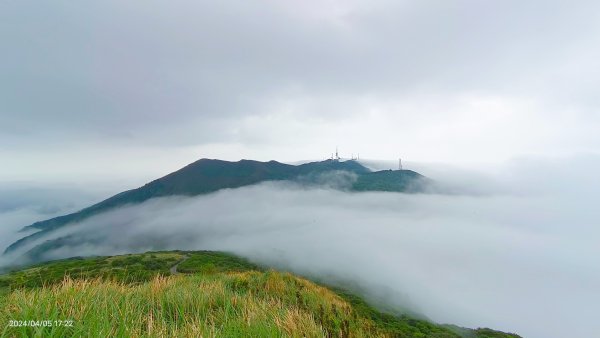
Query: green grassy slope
{"x": 213, "y": 294}
{"x": 126, "y": 268}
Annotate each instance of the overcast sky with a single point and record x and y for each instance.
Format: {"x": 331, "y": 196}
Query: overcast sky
{"x": 108, "y": 90}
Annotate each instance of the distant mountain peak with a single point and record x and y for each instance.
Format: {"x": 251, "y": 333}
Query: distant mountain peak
{"x": 209, "y": 175}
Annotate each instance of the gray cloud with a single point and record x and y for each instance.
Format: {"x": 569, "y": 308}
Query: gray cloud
{"x": 249, "y": 76}
{"x": 519, "y": 255}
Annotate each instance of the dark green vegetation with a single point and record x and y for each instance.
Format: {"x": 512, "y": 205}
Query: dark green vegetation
{"x": 213, "y": 262}
{"x": 126, "y": 268}
{"x": 223, "y": 295}
{"x": 479, "y": 333}
{"x": 390, "y": 180}
{"x": 206, "y": 176}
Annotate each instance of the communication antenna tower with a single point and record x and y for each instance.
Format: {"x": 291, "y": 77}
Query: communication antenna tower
{"x": 399, "y": 164}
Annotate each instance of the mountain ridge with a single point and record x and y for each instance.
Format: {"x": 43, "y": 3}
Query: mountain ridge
{"x": 209, "y": 175}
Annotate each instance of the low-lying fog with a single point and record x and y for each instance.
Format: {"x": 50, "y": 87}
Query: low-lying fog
{"x": 515, "y": 250}
{"x": 23, "y": 203}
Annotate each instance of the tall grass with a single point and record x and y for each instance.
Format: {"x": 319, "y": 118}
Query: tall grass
{"x": 257, "y": 304}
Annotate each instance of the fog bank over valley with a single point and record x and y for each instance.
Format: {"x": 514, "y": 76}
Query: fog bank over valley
{"x": 22, "y": 203}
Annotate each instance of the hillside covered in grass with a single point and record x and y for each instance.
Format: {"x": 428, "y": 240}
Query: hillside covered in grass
{"x": 191, "y": 294}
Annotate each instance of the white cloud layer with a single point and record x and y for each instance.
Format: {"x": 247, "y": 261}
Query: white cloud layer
{"x": 22, "y": 203}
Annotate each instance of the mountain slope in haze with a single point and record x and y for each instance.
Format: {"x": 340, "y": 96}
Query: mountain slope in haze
{"x": 208, "y": 175}
{"x": 389, "y": 180}
{"x": 194, "y": 294}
